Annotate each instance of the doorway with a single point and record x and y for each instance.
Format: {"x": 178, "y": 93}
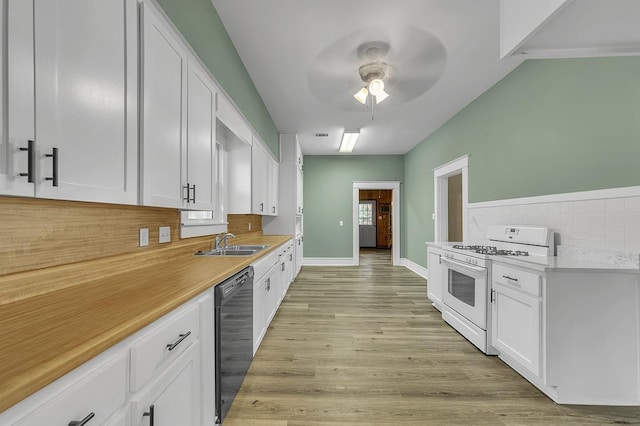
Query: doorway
{"x": 450, "y": 200}
{"x": 376, "y": 218}
{"x": 454, "y": 220}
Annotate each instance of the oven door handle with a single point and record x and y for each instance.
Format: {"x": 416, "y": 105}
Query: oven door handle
{"x": 463, "y": 265}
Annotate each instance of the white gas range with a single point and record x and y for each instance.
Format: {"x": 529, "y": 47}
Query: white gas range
{"x": 466, "y": 270}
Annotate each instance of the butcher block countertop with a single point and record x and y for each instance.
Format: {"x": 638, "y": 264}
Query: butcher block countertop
{"x": 53, "y": 320}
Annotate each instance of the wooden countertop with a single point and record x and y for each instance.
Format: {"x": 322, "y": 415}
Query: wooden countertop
{"x": 64, "y": 324}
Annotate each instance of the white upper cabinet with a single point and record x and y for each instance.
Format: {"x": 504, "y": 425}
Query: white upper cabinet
{"x": 289, "y": 190}
{"x": 201, "y": 177}
{"x": 178, "y": 143}
{"x": 72, "y": 76}
{"x": 259, "y": 183}
{"x": 164, "y": 110}
{"x": 264, "y": 184}
{"x": 17, "y": 112}
{"x": 272, "y": 199}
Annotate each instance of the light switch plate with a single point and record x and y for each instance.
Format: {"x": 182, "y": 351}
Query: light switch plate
{"x": 144, "y": 237}
{"x": 341, "y": 223}
{"x": 164, "y": 234}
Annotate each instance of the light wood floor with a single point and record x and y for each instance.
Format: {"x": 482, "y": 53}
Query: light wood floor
{"x": 363, "y": 346}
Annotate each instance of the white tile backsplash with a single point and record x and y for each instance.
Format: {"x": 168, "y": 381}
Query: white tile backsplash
{"x": 608, "y": 223}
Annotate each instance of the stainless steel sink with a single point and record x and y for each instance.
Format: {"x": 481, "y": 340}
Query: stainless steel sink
{"x": 246, "y": 247}
{"x": 239, "y": 250}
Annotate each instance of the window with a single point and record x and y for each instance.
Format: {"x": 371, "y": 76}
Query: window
{"x": 365, "y": 214}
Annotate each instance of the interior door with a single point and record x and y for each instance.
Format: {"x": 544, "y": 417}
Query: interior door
{"x": 367, "y": 221}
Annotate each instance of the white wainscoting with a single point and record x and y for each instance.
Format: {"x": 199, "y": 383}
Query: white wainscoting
{"x": 607, "y": 218}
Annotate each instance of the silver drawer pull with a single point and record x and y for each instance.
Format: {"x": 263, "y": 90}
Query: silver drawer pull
{"x": 181, "y": 337}
{"x": 509, "y": 278}
{"x": 83, "y": 421}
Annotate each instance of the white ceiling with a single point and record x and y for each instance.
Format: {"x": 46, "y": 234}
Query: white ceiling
{"x": 302, "y": 57}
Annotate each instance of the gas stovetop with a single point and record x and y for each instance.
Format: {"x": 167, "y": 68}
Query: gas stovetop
{"x": 490, "y": 250}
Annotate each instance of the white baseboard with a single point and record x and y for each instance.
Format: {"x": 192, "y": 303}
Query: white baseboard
{"x": 329, "y": 261}
{"x": 412, "y": 266}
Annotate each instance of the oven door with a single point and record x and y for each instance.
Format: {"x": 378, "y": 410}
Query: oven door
{"x": 466, "y": 290}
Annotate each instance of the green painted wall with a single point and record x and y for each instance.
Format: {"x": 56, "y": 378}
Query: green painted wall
{"x": 200, "y": 24}
{"x": 328, "y": 198}
{"x": 550, "y": 126}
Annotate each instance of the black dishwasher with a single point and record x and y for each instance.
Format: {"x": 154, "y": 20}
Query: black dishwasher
{"x": 234, "y": 337}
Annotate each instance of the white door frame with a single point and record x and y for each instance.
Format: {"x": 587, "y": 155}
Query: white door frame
{"x": 441, "y": 196}
{"x": 395, "y": 217}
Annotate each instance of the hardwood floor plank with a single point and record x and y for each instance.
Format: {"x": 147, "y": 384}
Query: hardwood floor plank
{"x": 363, "y": 346}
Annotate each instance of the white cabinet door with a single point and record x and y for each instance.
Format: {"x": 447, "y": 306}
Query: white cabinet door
{"x": 164, "y": 108}
{"x": 517, "y": 327}
{"x": 299, "y": 191}
{"x": 264, "y": 303}
{"x": 174, "y": 398}
{"x": 85, "y": 99}
{"x": 201, "y": 140}
{"x": 273, "y": 186}
{"x": 299, "y": 253}
{"x": 259, "y": 300}
{"x": 259, "y": 183}
{"x": 435, "y": 280}
{"x": 17, "y": 106}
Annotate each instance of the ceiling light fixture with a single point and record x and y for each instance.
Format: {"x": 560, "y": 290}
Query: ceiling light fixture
{"x": 349, "y": 140}
{"x": 372, "y": 74}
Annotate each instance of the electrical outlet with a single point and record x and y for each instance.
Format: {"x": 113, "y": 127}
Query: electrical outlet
{"x": 341, "y": 223}
{"x": 249, "y": 226}
{"x": 144, "y": 237}
{"x": 164, "y": 233}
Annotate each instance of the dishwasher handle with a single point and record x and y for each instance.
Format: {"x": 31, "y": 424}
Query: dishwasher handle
{"x": 231, "y": 286}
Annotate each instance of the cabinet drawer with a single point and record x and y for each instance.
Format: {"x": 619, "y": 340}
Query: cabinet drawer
{"x": 262, "y": 265}
{"x": 162, "y": 345}
{"x": 101, "y": 392}
{"x": 528, "y": 282}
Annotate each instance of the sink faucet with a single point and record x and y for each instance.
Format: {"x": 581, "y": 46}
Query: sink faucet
{"x": 222, "y": 239}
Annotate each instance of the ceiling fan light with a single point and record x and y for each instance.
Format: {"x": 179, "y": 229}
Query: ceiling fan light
{"x": 361, "y": 96}
{"x": 381, "y": 96}
{"x": 376, "y": 86}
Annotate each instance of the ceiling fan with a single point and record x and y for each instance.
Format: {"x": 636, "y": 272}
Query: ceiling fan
{"x": 375, "y": 64}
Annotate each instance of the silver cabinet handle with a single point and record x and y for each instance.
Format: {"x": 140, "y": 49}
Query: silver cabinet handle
{"x": 509, "y": 278}
{"x": 181, "y": 337}
{"x": 83, "y": 421}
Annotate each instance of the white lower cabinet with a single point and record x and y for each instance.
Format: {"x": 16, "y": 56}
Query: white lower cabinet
{"x": 435, "y": 277}
{"x": 517, "y": 326}
{"x": 271, "y": 281}
{"x": 264, "y": 303}
{"x": 168, "y": 365}
{"x": 174, "y": 397}
{"x": 517, "y": 316}
{"x": 96, "y": 396}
